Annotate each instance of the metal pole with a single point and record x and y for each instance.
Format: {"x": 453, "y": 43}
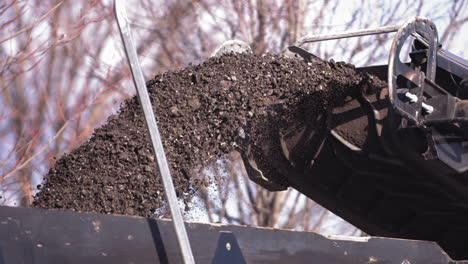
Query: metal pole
{"x": 347, "y": 34}
{"x": 145, "y": 102}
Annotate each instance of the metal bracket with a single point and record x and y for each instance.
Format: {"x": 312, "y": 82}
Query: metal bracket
{"x": 406, "y": 83}
{"x": 228, "y": 250}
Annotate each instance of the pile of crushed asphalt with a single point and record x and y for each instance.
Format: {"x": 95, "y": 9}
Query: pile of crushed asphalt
{"x": 203, "y": 112}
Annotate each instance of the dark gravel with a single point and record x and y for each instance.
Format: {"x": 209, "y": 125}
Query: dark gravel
{"x": 202, "y": 110}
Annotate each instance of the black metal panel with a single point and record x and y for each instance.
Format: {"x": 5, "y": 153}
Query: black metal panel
{"x": 46, "y": 236}
{"x": 380, "y": 71}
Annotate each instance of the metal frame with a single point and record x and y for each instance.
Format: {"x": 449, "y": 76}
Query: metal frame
{"x": 31, "y": 235}
{"x": 410, "y": 104}
{"x": 158, "y": 149}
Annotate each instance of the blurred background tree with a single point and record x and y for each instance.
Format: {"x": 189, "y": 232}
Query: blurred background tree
{"x": 63, "y": 71}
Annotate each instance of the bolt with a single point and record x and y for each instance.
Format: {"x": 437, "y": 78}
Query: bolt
{"x": 412, "y": 97}
{"x": 428, "y": 108}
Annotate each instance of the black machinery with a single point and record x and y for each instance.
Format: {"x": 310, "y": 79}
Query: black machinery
{"x": 394, "y": 162}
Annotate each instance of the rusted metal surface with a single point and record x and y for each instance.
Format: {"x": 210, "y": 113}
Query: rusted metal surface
{"x": 47, "y": 236}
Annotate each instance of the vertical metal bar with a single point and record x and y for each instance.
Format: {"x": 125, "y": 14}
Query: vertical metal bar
{"x": 145, "y": 102}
